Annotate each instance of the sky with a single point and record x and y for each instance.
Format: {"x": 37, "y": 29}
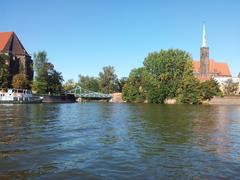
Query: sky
{"x": 82, "y": 36}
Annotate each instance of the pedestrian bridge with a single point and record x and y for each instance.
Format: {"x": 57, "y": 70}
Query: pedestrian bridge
{"x": 80, "y": 92}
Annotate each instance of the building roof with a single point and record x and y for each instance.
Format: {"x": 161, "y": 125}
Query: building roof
{"x": 219, "y": 68}
{"x": 9, "y": 42}
{"x": 4, "y": 38}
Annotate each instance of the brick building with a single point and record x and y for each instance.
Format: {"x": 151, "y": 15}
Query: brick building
{"x": 19, "y": 60}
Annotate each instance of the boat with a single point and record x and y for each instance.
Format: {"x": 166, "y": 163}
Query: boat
{"x": 18, "y": 96}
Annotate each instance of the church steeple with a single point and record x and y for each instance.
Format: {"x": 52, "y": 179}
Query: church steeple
{"x": 204, "y": 55}
{"x": 204, "y": 40}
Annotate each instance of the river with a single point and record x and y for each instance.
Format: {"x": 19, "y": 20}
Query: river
{"x": 119, "y": 141}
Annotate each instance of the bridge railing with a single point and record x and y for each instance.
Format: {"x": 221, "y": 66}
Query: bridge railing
{"x": 84, "y": 93}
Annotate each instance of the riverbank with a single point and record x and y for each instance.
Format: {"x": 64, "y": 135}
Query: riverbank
{"x": 117, "y": 98}
{"x": 68, "y": 98}
{"x": 226, "y": 100}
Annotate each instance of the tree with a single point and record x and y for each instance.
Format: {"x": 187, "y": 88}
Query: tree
{"x": 20, "y": 81}
{"x": 230, "y": 87}
{"x": 167, "y": 74}
{"x": 108, "y": 80}
{"x": 166, "y": 69}
{"x": 209, "y": 89}
{"x": 135, "y": 88}
{"x": 47, "y": 79}
{"x": 189, "y": 91}
{"x": 69, "y": 85}
{"x": 54, "y": 81}
{"x": 4, "y": 71}
{"x": 121, "y": 82}
{"x": 89, "y": 83}
{"x": 40, "y": 60}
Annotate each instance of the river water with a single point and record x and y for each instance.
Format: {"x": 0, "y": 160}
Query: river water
{"x": 119, "y": 141}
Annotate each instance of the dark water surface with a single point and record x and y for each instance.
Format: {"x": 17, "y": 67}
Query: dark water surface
{"x": 119, "y": 141}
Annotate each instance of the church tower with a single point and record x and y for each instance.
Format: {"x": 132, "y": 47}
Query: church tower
{"x": 204, "y": 56}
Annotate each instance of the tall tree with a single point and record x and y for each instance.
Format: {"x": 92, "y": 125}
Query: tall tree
{"x": 121, "y": 82}
{"x": 108, "y": 80}
{"x": 167, "y": 74}
{"x": 89, "y": 83}
{"x": 166, "y": 70}
{"x": 4, "y": 71}
{"x": 40, "y": 60}
{"x": 54, "y": 80}
{"x": 135, "y": 88}
{"x": 47, "y": 79}
{"x": 69, "y": 85}
{"x": 189, "y": 90}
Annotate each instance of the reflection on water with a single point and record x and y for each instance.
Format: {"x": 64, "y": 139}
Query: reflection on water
{"x": 103, "y": 140}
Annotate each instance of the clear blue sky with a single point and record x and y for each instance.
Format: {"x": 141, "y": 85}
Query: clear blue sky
{"x": 82, "y": 36}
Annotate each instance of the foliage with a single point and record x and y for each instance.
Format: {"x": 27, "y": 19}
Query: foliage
{"x": 134, "y": 89}
{"x": 189, "y": 91}
{"x": 121, "y": 82}
{"x": 209, "y": 89}
{"x": 230, "y": 87}
{"x": 108, "y": 80}
{"x": 20, "y": 81}
{"x": 167, "y": 67}
{"x": 167, "y": 74}
{"x": 160, "y": 78}
{"x": 40, "y": 59}
{"x": 55, "y": 80}
{"x": 69, "y": 85}
{"x": 47, "y": 79}
{"x": 90, "y": 83}
{"x": 4, "y": 71}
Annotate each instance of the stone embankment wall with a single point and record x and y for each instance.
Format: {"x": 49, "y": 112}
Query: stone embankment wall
{"x": 116, "y": 98}
{"x": 170, "y": 101}
{"x": 227, "y": 100}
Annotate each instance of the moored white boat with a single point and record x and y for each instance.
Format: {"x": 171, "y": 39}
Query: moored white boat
{"x": 18, "y": 96}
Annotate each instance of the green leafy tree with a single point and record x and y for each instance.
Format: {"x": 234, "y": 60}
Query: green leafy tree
{"x": 40, "y": 60}
{"x": 167, "y": 67}
{"x": 54, "y": 81}
{"x": 47, "y": 79}
{"x": 167, "y": 74}
{"x": 134, "y": 89}
{"x": 121, "y": 82}
{"x": 4, "y": 71}
{"x": 108, "y": 80}
{"x": 209, "y": 89}
{"x": 69, "y": 85}
{"x": 189, "y": 91}
{"x": 89, "y": 83}
{"x": 20, "y": 81}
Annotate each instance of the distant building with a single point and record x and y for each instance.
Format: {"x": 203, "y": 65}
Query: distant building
{"x": 19, "y": 60}
{"x": 208, "y": 68}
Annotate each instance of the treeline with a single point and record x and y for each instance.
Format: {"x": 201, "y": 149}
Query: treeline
{"x": 106, "y": 82}
{"x": 168, "y": 74}
{"x": 49, "y": 81}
